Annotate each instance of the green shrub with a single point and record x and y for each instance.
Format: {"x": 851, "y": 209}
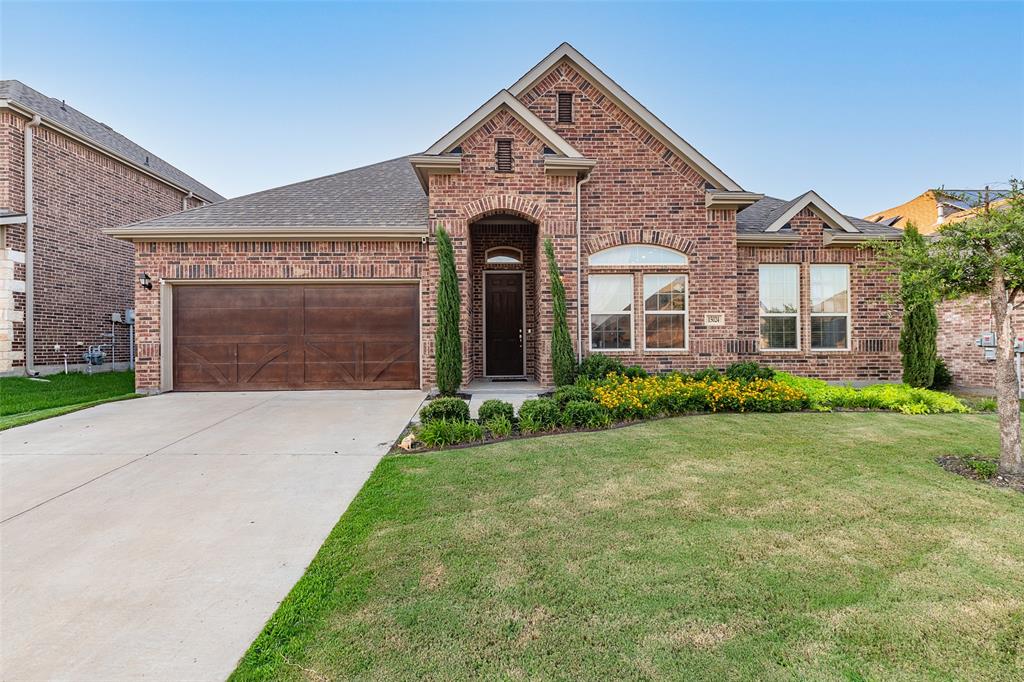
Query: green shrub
{"x": 941, "y": 379}
{"x": 597, "y": 366}
{"x": 528, "y": 424}
{"x": 986, "y": 405}
{"x": 920, "y": 323}
{"x": 447, "y": 341}
{"x": 676, "y": 373}
{"x": 896, "y": 397}
{"x": 567, "y": 394}
{"x": 563, "y": 361}
{"x": 635, "y": 372}
{"x": 708, "y": 374}
{"x": 499, "y": 425}
{"x": 541, "y": 414}
{"x": 690, "y": 397}
{"x": 585, "y": 414}
{"x": 748, "y": 371}
{"x": 496, "y": 408}
{"x": 443, "y": 432}
{"x": 450, "y": 409}
{"x": 985, "y": 468}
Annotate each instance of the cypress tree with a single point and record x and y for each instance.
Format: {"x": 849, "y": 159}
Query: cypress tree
{"x": 447, "y": 342}
{"x": 563, "y": 363}
{"x": 920, "y": 323}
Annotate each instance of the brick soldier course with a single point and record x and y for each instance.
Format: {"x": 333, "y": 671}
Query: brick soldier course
{"x": 85, "y": 177}
{"x": 638, "y": 183}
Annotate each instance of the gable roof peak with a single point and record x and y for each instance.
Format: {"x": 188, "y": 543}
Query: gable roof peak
{"x": 780, "y": 216}
{"x": 712, "y": 173}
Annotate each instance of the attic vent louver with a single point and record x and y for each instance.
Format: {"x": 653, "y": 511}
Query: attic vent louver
{"x": 503, "y": 156}
{"x": 565, "y": 107}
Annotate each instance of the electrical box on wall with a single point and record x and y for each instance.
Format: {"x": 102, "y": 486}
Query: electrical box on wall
{"x": 987, "y": 340}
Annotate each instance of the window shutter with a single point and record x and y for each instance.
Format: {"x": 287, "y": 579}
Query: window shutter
{"x": 503, "y": 156}
{"x": 565, "y": 107}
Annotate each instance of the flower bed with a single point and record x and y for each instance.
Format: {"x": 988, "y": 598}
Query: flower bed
{"x": 628, "y": 394}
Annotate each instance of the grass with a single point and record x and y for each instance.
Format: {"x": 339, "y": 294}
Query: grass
{"x": 23, "y": 400}
{"x": 812, "y": 546}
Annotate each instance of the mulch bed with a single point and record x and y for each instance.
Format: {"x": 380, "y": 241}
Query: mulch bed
{"x": 956, "y": 465}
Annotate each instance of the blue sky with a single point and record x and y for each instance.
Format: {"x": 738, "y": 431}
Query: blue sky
{"x": 867, "y": 103}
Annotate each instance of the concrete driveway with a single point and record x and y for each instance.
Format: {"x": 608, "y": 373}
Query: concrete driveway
{"x": 154, "y": 537}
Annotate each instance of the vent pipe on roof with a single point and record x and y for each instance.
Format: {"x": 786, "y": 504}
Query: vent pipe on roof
{"x": 184, "y": 200}
{"x": 29, "y": 252}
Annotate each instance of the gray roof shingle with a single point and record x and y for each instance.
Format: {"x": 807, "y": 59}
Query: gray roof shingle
{"x": 386, "y": 194}
{"x": 102, "y": 135}
{"x": 754, "y": 219}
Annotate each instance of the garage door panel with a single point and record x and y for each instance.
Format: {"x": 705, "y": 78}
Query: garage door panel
{"x": 292, "y": 336}
{"x": 241, "y": 322}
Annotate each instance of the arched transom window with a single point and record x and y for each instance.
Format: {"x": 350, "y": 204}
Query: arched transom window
{"x": 504, "y": 255}
{"x": 638, "y": 254}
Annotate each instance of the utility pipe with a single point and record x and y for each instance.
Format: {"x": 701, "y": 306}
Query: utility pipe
{"x": 579, "y": 270}
{"x": 184, "y": 200}
{"x": 29, "y": 252}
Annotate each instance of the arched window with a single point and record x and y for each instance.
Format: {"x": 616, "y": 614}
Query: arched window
{"x": 638, "y": 254}
{"x": 504, "y": 255}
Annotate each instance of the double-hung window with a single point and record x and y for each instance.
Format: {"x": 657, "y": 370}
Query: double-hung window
{"x": 830, "y": 307}
{"x": 779, "y": 294}
{"x": 611, "y": 312}
{"x": 665, "y": 312}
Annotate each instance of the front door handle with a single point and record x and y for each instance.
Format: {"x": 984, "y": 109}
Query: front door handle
{"x": 520, "y": 337}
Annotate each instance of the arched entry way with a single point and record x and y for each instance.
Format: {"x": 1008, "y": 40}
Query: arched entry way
{"x": 502, "y": 310}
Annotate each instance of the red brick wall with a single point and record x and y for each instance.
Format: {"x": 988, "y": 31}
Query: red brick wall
{"x": 960, "y": 324}
{"x": 257, "y": 260}
{"x": 81, "y": 275}
{"x": 874, "y": 320}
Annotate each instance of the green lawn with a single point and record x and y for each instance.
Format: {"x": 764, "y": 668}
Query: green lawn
{"x": 24, "y": 400}
{"x": 812, "y": 546}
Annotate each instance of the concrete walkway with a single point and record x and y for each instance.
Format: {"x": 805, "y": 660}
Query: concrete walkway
{"x": 153, "y": 538}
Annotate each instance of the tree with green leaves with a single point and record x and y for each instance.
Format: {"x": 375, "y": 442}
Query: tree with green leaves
{"x": 563, "y": 362}
{"x": 447, "y": 341}
{"x": 983, "y": 255}
{"x": 920, "y": 323}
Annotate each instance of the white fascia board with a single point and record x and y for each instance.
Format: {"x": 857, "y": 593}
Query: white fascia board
{"x": 306, "y": 233}
{"x": 720, "y": 199}
{"x": 762, "y": 239}
{"x": 485, "y": 112}
{"x": 824, "y": 210}
{"x": 710, "y": 171}
{"x": 841, "y": 238}
{"x": 13, "y": 219}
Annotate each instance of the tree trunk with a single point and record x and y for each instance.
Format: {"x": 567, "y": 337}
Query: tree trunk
{"x": 1007, "y": 392}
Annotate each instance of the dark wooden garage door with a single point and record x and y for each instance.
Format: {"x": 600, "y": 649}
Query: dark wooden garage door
{"x": 275, "y": 337}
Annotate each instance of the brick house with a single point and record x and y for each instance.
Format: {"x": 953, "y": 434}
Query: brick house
{"x": 667, "y": 262}
{"x": 80, "y": 176}
{"x": 961, "y": 322}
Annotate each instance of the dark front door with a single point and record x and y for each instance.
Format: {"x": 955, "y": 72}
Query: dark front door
{"x": 503, "y": 332}
{"x": 262, "y": 337}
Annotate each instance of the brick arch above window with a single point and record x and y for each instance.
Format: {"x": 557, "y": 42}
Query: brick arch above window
{"x": 668, "y": 240}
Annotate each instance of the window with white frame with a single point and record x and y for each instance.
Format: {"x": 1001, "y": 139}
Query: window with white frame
{"x": 638, "y": 254}
{"x": 779, "y": 303}
{"x": 611, "y": 312}
{"x": 665, "y": 312}
{"x": 506, "y": 255}
{"x": 830, "y": 307}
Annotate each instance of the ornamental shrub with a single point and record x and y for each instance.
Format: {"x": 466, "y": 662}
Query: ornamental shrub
{"x": 585, "y": 414}
{"x": 746, "y": 371}
{"x": 566, "y": 394}
{"x": 445, "y": 432}
{"x": 447, "y": 342}
{"x": 597, "y": 366}
{"x": 635, "y": 372}
{"x": 499, "y": 425}
{"x": 496, "y": 408}
{"x": 942, "y": 379}
{"x": 920, "y": 323}
{"x": 563, "y": 362}
{"x": 896, "y": 397}
{"x": 450, "y": 409}
{"x": 707, "y": 374}
{"x": 540, "y": 413}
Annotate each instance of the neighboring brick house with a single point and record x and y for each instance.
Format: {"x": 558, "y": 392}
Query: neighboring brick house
{"x": 961, "y": 322}
{"x": 332, "y": 282}
{"x": 84, "y": 177}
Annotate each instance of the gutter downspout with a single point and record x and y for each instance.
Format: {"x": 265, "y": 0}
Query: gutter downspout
{"x": 579, "y": 270}
{"x": 29, "y": 252}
